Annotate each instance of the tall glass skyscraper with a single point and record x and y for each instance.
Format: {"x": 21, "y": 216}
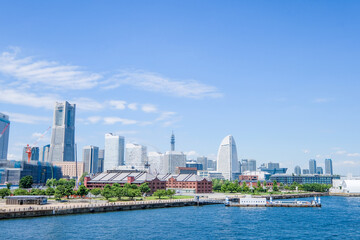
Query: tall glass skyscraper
{"x": 312, "y": 166}
{"x": 328, "y": 166}
{"x": 297, "y": 170}
{"x": 114, "y": 151}
{"x": 227, "y": 160}
{"x": 4, "y": 135}
{"x": 91, "y": 159}
{"x": 62, "y": 147}
{"x": 136, "y": 155}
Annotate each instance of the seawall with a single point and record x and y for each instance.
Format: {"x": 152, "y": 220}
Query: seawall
{"x": 45, "y": 210}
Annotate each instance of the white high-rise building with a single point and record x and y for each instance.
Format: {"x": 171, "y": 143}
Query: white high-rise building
{"x": 227, "y": 160}
{"x": 114, "y": 151}
{"x": 136, "y": 155}
{"x": 172, "y": 160}
{"x": 155, "y": 160}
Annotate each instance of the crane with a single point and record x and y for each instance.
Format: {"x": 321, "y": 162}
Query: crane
{"x": 28, "y": 147}
{"x": 3, "y": 131}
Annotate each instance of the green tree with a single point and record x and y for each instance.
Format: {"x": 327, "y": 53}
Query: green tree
{"x": 36, "y": 191}
{"x": 224, "y": 188}
{"x": 20, "y": 191}
{"x": 26, "y": 182}
{"x": 232, "y": 187}
{"x": 4, "y": 192}
{"x": 50, "y": 191}
{"x": 119, "y": 191}
{"x": 144, "y": 188}
{"x": 95, "y": 191}
{"x": 160, "y": 193}
{"x": 60, "y": 192}
{"x": 170, "y": 193}
{"x": 107, "y": 192}
{"x": 82, "y": 191}
{"x": 8, "y": 185}
{"x": 131, "y": 193}
{"x": 275, "y": 186}
{"x": 51, "y": 182}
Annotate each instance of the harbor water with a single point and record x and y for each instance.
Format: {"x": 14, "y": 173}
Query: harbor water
{"x": 338, "y": 218}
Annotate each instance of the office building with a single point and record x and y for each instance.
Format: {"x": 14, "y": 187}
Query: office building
{"x": 62, "y": 146}
{"x": 203, "y": 161}
{"x": 328, "y": 167}
{"x": 227, "y": 161}
{"x": 35, "y": 153}
{"x": 272, "y": 168}
{"x": 4, "y": 135}
{"x": 91, "y": 159}
{"x": 306, "y": 171}
{"x": 297, "y": 170}
{"x": 71, "y": 169}
{"x": 197, "y": 166}
{"x": 44, "y": 153}
{"x": 252, "y": 165}
{"x": 136, "y": 155}
{"x": 114, "y": 151}
{"x": 172, "y": 160}
{"x": 211, "y": 165}
{"x": 312, "y": 166}
{"x": 289, "y": 179}
{"x": 244, "y": 165}
{"x": 319, "y": 170}
{"x": 101, "y": 160}
{"x": 155, "y": 160}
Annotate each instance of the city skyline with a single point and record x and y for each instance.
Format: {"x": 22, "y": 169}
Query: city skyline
{"x": 286, "y": 85}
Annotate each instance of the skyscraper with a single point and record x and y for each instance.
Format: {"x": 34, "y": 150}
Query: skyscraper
{"x": 136, "y": 155}
{"x": 91, "y": 159}
{"x": 35, "y": 153}
{"x": 252, "y": 165}
{"x": 328, "y": 166}
{"x": 227, "y": 161}
{"x": 306, "y": 171}
{"x": 244, "y": 165}
{"x": 172, "y": 160}
{"x": 4, "y": 135}
{"x": 44, "y": 153}
{"x": 204, "y": 161}
{"x": 62, "y": 147}
{"x": 114, "y": 151}
{"x": 155, "y": 159}
{"x": 101, "y": 160}
{"x": 312, "y": 166}
{"x": 297, "y": 170}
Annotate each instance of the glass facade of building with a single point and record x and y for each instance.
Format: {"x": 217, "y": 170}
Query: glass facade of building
{"x": 289, "y": 179}
{"x": 91, "y": 159}
{"x": 4, "y": 135}
{"x": 328, "y": 167}
{"x": 114, "y": 151}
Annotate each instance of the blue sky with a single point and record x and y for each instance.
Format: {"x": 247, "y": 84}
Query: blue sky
{"x": 281, "y": 76}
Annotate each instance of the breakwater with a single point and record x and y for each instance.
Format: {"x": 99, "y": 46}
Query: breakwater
{"x": 38, "y": 211}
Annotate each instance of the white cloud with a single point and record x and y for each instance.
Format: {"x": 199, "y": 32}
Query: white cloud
{"x": 191, "y": 153}
{"x": 350, "y": 163}
{"x": 47, "y": 73}
{"x": 149, "y": 108}
{"x": 154, "y": 82}
{"x": 113, "y": 120}
{"x": 94, "y": 119}
{"x": 340, "y": 152}
{"x": 20, "y": 97}
{"x": 87, "y": 104}
{"x": 353, "y": 154}
{"x": 124, "y": 133}
{"x": 25, "y": 118}
{"x": 306, "y": 151}
{"x": 118, "y": 104}
{"x": 133, "y": 106}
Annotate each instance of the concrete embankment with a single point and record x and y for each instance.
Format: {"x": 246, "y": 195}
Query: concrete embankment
{"x": 345, "y": 194}
{"x": 297, "y": 195}
{"x": 39, "y": 211}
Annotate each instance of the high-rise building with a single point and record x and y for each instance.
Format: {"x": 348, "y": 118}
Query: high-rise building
{"x": 44, "y": 153}
{"x": 227, "y": 161}
{"x": 271, "y": 165}
{"x": 114, "y": 151}
{"x": 172, "y": 160}
{"x": 211, "y": 165}
{"x": 62, "y": 147}
{"x": 244, "y": 165}
{"x": 312, "y": 166}
{"x": 297, "y": 170}
{"x": 328, "y": 166}
{"x": 136, "y": 155}
{"x": 91, "y": 159}
{"x": 4, "y": 135}
{"x": 306, "y": 171}
{"x": 252, "y": 165}
{"x": 101, "y": 160}
{"x": 35, "y": 153}
{"x": 319, "y": 170}
{"x": 155, "y": 160}
{"x": 204, "y": 161}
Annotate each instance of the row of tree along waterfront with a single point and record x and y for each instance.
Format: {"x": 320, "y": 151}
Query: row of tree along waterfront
{"x": 65, "y": 188}
{"x": 236, "y": 187}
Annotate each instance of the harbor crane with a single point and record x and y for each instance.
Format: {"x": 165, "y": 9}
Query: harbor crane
{"x": 28, "y": 147}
